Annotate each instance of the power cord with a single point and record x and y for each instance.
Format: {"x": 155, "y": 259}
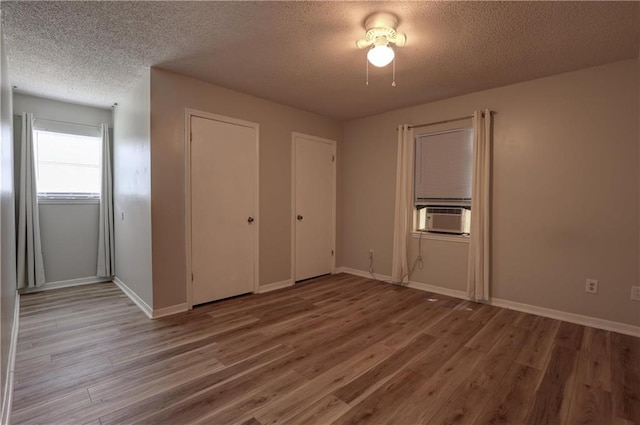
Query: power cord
{"x": 418, "y": 262}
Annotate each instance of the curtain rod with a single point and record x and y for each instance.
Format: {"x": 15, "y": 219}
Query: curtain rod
{"x": 441, "y": 122}
{"x": 61, "y": 122}
{"x": 446, "y": 121}
{"x": 67, "y": 122}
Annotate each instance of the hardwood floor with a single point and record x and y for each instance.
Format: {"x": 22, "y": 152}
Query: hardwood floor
{"x": 337, "y": 350}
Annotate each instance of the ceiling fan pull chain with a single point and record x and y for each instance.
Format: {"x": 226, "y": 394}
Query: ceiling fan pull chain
{"x": 367, "y": 61}
{"x": 393, "y": 84}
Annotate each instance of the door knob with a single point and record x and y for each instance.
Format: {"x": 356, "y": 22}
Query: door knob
{"x": 250, "y": 220}
{"x": 299, "y": 217}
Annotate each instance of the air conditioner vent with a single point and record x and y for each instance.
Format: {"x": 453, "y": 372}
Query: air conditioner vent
{"x": 435, "y": 210}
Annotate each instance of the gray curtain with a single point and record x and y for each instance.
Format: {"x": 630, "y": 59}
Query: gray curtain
{"x": 29, "y": 249}
{"x": 106, "y": 256}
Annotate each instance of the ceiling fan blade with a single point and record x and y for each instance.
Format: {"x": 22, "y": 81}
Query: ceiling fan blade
{"x": 362, "y": 43}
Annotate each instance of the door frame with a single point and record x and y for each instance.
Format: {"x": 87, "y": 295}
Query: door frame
{"x": 333, "y": 144}
{"x": 188, "y": 114}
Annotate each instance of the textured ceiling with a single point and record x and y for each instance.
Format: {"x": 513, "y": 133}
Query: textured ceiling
{"x": 303, "y": 54}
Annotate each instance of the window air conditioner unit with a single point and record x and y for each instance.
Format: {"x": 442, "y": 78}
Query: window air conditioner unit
{"x": 445, "y": 220}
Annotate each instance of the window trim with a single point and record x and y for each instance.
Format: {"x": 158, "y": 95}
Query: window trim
{"x": 58, "y": 200}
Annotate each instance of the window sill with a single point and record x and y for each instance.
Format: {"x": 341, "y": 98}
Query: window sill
{"x": 440, "y": 237}
{"x": 67, "y": 201}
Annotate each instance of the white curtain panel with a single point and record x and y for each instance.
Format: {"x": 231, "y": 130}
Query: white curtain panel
{"x": 29, "y": 250}
{"x": 404, "y": 205}
{"x": 106, "y": 255}
{"x": 480, "y": 238}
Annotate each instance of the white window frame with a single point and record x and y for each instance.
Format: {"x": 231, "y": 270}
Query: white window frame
{"x": 425, "y": 234}
{"x": 66, "y": 197}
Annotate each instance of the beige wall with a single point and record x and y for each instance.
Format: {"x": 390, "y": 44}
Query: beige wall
{"x": 170, "y": 95}
{"x": 132, "y": 189}
{"x": 565, "y": 191}
{"x": 7, "y": 221}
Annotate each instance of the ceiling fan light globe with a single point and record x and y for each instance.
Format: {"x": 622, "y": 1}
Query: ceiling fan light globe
{"x": 380, "y": 55}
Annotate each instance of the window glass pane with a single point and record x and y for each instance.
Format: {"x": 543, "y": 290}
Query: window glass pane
{"x": 55, "y": 178}
{"x": 67, "y": 163}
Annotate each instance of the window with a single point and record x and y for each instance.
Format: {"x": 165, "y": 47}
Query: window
{"x": 67, "y": 165}
{"x": 442, "y": 181}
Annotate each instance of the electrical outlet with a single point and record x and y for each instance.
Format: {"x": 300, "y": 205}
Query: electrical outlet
{"x": 591, "y": 286}
{"x": 371, "y": 254}
{"x": 635, "y": 293}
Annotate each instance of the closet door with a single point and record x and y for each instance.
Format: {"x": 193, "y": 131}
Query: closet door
{"x": 223, "y": 196}
{"x": 314, "y": 206}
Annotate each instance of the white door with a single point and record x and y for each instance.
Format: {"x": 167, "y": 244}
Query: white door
{"x": 223, "y": 189}
{"x": 314, "y": 206}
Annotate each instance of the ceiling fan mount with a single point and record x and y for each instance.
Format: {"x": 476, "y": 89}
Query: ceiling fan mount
{"x": 381, "y": 30}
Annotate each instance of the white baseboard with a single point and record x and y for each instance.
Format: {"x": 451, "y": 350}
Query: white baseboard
{"x": 7, "y": 401}
{"x": 438, "y": 290}
{"x": 579, "y": 319}
{"x": 146, "y": 309}
{"x": 134, "y": 297}
{"x": 274, "y": 286}
{"x": 168, "y": 311}
{"x": 66, "y": 283}
{"x": 362, "y": 273}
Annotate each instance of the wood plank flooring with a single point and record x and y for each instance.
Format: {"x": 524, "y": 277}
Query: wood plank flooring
{"x": 336, "y": 350}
